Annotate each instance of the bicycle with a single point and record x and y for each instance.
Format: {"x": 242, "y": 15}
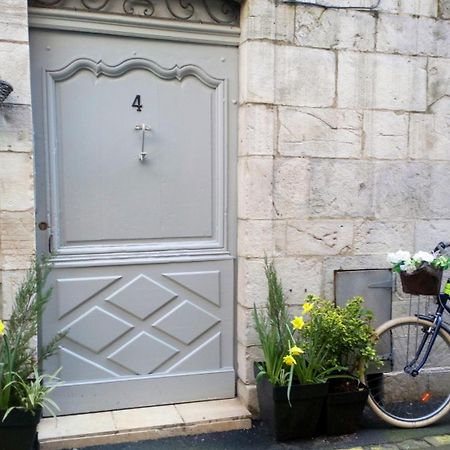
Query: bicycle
{"x": 412, "y": 388}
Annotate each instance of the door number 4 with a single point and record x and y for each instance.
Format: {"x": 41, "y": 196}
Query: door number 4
{"x": 137, "y": 103}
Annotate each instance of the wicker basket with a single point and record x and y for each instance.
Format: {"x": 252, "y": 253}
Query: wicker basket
{"x": 426, "y": 280}
{"x": 5, "y": 90}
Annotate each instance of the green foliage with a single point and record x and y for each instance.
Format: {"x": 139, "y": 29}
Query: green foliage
{"x": 271, "y": 328}
{"x": 21, "y": 386}
{"x": 331, "y": 341}
{"x": 345, "y": 332}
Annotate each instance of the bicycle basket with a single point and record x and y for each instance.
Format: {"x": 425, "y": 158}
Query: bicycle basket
{"x": 426, "y": 280}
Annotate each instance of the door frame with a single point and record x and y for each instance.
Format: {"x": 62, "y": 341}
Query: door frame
{"x": 152, "y": 29}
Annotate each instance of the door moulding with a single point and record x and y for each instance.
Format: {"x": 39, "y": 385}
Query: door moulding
{"x": 161, "y": 29}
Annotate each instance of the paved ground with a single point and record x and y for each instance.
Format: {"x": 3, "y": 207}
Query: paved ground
{"x": 374, "y": 435}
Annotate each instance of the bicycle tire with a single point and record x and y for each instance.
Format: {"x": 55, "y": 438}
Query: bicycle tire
{"x": 398, "y": 398}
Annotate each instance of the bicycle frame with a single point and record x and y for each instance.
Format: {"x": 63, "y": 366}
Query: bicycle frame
{"x": 436, "y": 323}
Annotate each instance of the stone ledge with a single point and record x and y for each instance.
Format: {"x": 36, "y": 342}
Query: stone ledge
{"x": 142, "y": 424}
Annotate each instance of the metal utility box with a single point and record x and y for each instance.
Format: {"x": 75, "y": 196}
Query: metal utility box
{"x": 374, "y": 285}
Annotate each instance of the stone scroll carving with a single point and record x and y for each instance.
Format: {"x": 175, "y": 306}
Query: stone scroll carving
{"x": 222, "y": 12}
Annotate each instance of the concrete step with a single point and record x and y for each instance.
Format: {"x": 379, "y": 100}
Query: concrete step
{"x": 139, "y": 424}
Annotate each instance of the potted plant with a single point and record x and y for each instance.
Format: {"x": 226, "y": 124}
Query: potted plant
{"x": 347, "y": 336}
{"x": 420, "y": 274}
{"x": 291, "y": 381}
{"x": 23, "y": 392}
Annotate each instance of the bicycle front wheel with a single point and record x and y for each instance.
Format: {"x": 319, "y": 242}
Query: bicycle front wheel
{"x": 399, "y": 398}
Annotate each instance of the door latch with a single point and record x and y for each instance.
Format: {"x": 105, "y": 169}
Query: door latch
{"x": 143, "y": 128}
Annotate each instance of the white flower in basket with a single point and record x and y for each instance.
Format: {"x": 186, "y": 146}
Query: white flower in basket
{"x": 421, "y": 273}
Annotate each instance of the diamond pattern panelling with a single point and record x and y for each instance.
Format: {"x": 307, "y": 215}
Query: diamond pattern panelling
{"x": 206, "y": 284}
{"x": 72, "y": 363}
{"x": 143, "y": 354}
{"x": 97, "y": 329}
{"x": 186, "y": 322}
{"x": 206, "y": 357}
{"x": 73, "y": 292}
{"x": 141, "y": 297}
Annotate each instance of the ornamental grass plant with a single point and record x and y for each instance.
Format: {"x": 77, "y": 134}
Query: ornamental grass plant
{"x": 22, "y": 385}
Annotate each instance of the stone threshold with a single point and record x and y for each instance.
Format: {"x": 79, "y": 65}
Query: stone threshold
{"x": 156, "y": 422}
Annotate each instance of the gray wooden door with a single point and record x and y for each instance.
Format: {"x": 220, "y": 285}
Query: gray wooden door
{"x": 135, "y": 143}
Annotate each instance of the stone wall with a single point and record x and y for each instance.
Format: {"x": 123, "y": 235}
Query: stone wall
{"x": 344, "y": 145}
{"x": 16, "y": 158}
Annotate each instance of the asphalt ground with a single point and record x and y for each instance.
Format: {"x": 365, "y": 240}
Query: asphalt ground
{"x": 373, "y": 435}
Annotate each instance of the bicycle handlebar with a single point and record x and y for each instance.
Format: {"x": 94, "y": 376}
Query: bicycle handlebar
{"x": 441, "y": 246}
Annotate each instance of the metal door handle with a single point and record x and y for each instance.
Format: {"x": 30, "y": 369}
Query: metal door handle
{"x": 143, "y": 128}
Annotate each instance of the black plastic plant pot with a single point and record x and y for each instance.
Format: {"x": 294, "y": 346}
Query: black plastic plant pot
{"x": 426, "y": 280}
{"x": 18, "y": 430}
{"x": 295, "y": 421}
{"x": 344, "y": 410}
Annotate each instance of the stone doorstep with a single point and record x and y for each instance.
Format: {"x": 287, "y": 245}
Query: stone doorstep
{"x": 138, "y": 424}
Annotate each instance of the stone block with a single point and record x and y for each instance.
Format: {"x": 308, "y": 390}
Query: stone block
{"x": 291, "y": 187}
{"x": 341, "y": 188}
{"x": 13, "y": 21}
{"x": 251, "y": 282}
{"x": 14, "y": 60}
{"x": 386, "y": 134}
{"x": 327, "y": 133}
{"x": 255, "y": 187}
{"x": 17, "y": 243}
{"x": 406, "y": 35}
{"x": 16, "y": 181}
{"x": 428, "y": 233}
{"x": 245, "y": 330}
{"x": 429, "y": 136}
{"x": 333, "y": 263}
{"x": 297, "y": 81}
{"x": 373, "y": 237}
{"x": 439, "y": 198}
{"x": 265, "y": 19}
{"x": 335, "y": 29}
{"x": 318, "y": 237}
{"x": 257, "y": 238}
{"x": 389, "y": 6}
{"x": 380, "y": 81}
{"x": 10, "y": 282}
{"x": 256, "y": 72}
{"x": 16, "y": 129}
{"x": 246, "y": 356}
{"x": 300, "y": 277}
{"x": 444, "y": 9}
{"x": 438, "y": 79}
{"x": 402, "y": 190}
{"x": 248, "y": 396}
{"x": 441, "y": 36}
{"x": 419, "y": 7}
{"x": 256, "y": 130}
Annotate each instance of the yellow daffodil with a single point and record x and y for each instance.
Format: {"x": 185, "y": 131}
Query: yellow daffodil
{"x": 298, "y": 323}
{"x": 296, "y": 351}
{"x": 289, "y": 360}
{"x": 307, "y": 307}
{"x": 2, "y": 328}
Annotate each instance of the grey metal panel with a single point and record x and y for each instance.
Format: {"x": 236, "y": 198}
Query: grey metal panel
{"x": 144, "y": 270}
{"x": 374, "y": 285}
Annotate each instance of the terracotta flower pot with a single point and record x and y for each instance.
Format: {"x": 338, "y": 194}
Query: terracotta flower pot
{"x": 426, "y": 280}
